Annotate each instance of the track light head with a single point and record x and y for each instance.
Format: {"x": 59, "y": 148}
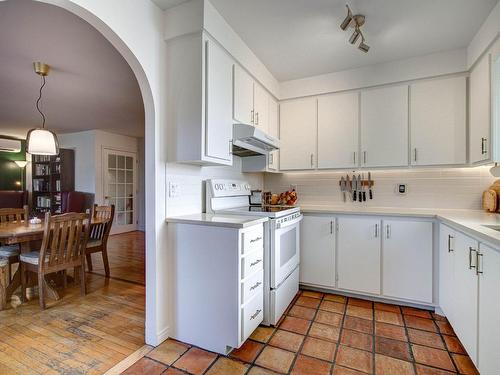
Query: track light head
{"x": 363, "y": 46}
{"x": 345, "y": 23}
{"x": 355, "y": 36}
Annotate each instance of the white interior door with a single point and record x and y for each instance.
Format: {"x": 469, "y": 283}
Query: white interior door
{"x": 119, "y": 176}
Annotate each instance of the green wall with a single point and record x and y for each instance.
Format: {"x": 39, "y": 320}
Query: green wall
{"x": 10, "y": 173}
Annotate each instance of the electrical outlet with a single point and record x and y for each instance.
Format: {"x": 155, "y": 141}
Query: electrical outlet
{"x": 174, "y": 190}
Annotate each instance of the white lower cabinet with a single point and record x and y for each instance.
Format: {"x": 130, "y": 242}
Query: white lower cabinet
{"x": 489, "y": 310}
{"x": 317, "y": 251}
{"x": 446, "y": 269}
{"x": 359, "y": 254}
{"x": 407, "y": 259}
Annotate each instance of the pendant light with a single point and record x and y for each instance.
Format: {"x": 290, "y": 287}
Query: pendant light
{"x": 41, "y": 141}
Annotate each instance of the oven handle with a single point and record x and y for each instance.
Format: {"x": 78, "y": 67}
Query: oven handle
{"x": 289, "y": 223}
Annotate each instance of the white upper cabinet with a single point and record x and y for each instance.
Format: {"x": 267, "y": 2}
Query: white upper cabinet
{"x": 298, "y": 133}
{"x": 338, "y": 131}
{"x": 317, "y": 251}
{"x": 274, "y": 129}
{"x": 359, "y": 254}
{"x": 384, "y": 127}
{"x": 480, "y": 111}
{"x": 407, "y": 259}
{"x": 219, "y": 84}
{"x": 243, "y": 111}
{"x": 438, "y": 122}
{"x": 261, "y": 108}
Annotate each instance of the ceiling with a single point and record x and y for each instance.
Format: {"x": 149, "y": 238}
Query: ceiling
{"x": 90, "y": 85}
{"x": 302, "y": 38}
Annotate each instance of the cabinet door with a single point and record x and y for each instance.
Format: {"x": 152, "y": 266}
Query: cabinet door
{"x": 465, "y": 315}
{"x": 298, "y": 133}
{"x": 489, "y": 311}
{"x": 261, "y": 108}
{"x": 317, "y": 251}
{"x": 446, "y": 270}
{"x": 438, "y": 122}
{"x": 338, "y": 129}
{"x": 407, "y": 260}
{"x": 242, "y": 96}
{"x": 219, "y": 90}
{"x": 358, "y": 260}
{"x": 384, "y": 127}
{"x": 273, "y": 132}
{"x": 480, "y": 111}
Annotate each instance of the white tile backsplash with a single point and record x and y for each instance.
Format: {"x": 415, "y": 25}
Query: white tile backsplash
{"x": 459, "y": 188}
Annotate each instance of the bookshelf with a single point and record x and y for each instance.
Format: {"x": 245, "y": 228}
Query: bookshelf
{"x": 50, "y": 176}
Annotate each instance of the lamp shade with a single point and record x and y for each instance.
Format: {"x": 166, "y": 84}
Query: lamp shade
{"x": 21, "y": 163}
{"x": 42, "y": 142}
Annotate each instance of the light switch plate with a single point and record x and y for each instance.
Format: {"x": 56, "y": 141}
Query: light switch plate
{"x": 174, "y": 190}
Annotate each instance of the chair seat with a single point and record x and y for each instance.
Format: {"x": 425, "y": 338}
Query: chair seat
{"x": 9, "y": 250}
{"x": 32, "y": 257}
{"x": 93, "y": 243}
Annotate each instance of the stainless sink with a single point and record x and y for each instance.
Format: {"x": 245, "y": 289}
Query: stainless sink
{"x": 494, "y": 227}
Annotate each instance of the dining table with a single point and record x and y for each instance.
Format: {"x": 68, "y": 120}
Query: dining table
{"x": 25, "y": 234}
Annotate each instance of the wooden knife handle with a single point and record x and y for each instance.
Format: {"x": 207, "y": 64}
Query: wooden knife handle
{"x": 364, "y": 196}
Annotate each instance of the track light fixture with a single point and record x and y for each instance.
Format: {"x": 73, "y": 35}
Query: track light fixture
{"x": 355, "y": 22}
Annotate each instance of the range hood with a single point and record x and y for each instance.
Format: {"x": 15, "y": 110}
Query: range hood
{"x": 251, "y": 141}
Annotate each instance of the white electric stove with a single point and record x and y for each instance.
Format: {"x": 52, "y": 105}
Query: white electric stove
{"x": 281, "y": 242}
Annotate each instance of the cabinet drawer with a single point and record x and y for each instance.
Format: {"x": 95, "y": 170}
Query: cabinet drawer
{"x": 252, "y": 286}
{"x": 252, "y": 263}
{"x": 252, "y": 315}
{"x": 252, "y": 239}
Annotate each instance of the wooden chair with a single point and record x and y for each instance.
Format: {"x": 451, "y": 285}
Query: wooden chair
{"x": 98, "y": 241}
{"x": 63, "y": 246}
{"x": 11, "y": 252}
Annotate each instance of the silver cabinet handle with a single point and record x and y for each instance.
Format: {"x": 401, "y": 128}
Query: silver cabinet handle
{"x": 271, "y": 159}
{"x": 479, "y": 258}
{"x": 471, "y": 250}
{"x": 415, "y": 156}
{"x": 256, "y": 314}
{"x": 450, "y": 237}
{"x": 483, "y": 146}
{"x": 354, "y": 157}
{"x": 331, "y": 227}
{"x": 364, "y": 157}
{"x": 255, "y": 239}
{"x": 312, "y": 160}
{"x": 388, "y": 231}
{"x": 376, "y": 230}
{"x": 256, "y": 262}
{"x": 230, "y": 147}
{"x": 252, "y": 116}
{"x": 256, "y": 118}
{"x": 257, "y": 284}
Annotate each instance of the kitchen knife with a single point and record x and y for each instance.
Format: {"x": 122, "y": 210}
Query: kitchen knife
{"x": 363, "y": 187}
{"x": 342, "y": 187}
{"x": 354, "y": 187}
{"x": 349, "y": 187}
{"x": 360, "y": 189}
{"x": 370, "y": 185}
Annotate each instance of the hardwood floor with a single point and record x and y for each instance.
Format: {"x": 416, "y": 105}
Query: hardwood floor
{"x": 126, "y": 257}
{"x": 81, "y": 335}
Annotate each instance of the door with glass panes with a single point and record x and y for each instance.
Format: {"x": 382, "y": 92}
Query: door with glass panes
{"x": 120, "y": 188}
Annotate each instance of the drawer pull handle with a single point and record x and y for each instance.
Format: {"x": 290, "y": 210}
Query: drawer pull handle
{"x": 256, "y": 314}
{"x": 256, "y": 262}
{"x": 255, "y": 239}
{"x": 471, "y": 250}
{"x": 257, "y": 284}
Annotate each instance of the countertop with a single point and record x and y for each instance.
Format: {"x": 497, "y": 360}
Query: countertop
{"x": 228, "y": 221}
{"x": 471, "y": 222}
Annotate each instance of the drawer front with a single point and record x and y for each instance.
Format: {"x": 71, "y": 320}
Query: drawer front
{"x": 252, "y": 314}
{"x": 252, "y": 239}
{"x": 252, "y": 286}
{"x": 252, "y": 263}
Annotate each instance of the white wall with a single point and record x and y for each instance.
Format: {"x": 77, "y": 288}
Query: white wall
{"x": 192, "y": 187}
{"x": 454, "y": 188}
{"x": 487, "y": 33}
{"x": 436, "y": 64}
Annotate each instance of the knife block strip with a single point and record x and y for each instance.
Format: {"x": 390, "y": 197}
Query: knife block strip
{"x": 363, "y": 183}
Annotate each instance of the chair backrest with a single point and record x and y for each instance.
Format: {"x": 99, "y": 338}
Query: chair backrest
{"x": 106, "y": 213}
{"x": 64, "y": 239}
{"x": 14, "y": 214}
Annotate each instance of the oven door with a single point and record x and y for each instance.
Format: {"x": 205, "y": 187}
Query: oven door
{"x": 285, "y": 250}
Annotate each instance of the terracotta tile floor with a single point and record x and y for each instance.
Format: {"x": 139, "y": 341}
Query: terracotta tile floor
{"x": 332, "y": 335}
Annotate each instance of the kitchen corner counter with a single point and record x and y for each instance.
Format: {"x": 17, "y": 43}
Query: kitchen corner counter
{"x": 228, "y": 221}
{"x": 471, "y": 222}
